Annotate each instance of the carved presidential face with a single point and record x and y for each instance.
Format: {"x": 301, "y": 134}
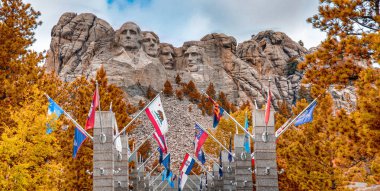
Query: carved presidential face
{"x": 150, "y": 44}
{"x": 129, "y": 36}
{"x": 194, "y": 58}
{"x": 167, "y": 57}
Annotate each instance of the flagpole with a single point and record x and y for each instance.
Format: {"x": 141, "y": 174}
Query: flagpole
{"x": 156, "y": 178}
{"x": 165, "y": 185}
{"x": 201, "y": 165}
{"x": 233, "y": 119}
{"x": 298, "y": 116}
{"x": 72, "y": 120}
{"x": 233, "y": 155}
{"x": 99, "y": 108}
{"x": 138, "y": 147}
{"x": 192, "y": 181}
{"x": 159, "y": 184}
{"x": 151, "y": 171}
{"x": 147, "y": 159}
{"x": 125, "y": 128}
{"x": 212, "y": 159}
{"x": 195, "y": 174}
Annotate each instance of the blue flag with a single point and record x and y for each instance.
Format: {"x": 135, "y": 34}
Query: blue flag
{"x": 201, "y": 157}
{"x": 161, "y": 155}
{"x": 230, "y": 149}
{"x": 306, "y": 116}
{"x": 79, "y": 138}
{"x": 247, "y": 146}
{"x": 220, "y": 165}
{"x": 170, "y": 179}
{"x": 53, "y": 108}
{"x": 166, "y": 164}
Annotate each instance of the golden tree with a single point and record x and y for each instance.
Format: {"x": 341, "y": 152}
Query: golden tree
{"x": 353, "y": 41}
{"x": 168, "y": 89}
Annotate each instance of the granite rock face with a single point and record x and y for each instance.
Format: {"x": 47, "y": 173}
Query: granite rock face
{"x": 135, "y": 59}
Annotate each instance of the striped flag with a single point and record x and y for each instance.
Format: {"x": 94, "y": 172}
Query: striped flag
{"x": 267, "y": 108}
{"x": 91, "y": 114}
{"x": 187, "y": 164}
{"x": 200, "y": 138}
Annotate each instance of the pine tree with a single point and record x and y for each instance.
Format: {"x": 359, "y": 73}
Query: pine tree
{"x": 168, "y": 89}
{"x": 18, "y": 65}
{"x": 150, "y": 93}
{"x": 353, "y": 38}
{"x": 192, "y": 92}
{"x": 30, "y": 157}
{"x": 178, "y": 79}
{"x": 179, "y": 94}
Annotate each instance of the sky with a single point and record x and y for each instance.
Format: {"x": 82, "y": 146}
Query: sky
{"x": 178, "y": 21}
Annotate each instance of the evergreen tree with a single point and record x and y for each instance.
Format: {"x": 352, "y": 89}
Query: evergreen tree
{"x": 150, "y": 93}
{"x": 352, "y": 28}
{"x": 168, "y": 89}
{"x": 179, "y": 94}
{"x": 178, "y": 79}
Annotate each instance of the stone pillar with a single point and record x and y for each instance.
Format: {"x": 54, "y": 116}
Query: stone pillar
{"x": 243, "y": 173}
{"x": 121, "y": 166}
{"x": 265, "y": 153}
{"x": 217, "y": 182}
{"x": 228, "y": 172}
{"x": 103, "y": 156}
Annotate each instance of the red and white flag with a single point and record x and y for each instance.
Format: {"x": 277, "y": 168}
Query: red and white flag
{"x": 156, "y": 114}
{"x": 267, "y": 109}
{"x": 91, "y": 114}
{"x": 161, "y": 141}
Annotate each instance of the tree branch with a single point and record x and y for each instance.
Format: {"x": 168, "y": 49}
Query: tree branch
{"x": 363, "y": 25}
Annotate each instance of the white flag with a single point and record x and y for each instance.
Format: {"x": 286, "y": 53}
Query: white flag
{"x": 117, "y": 142}
{"x": 156, "y": 114}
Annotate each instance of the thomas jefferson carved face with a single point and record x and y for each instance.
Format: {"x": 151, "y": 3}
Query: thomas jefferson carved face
{"x": 150, "y": 44}
{"x": 167, "y": 57}
{"x": 129, "y": 36}
{"x": 194, "y": 58}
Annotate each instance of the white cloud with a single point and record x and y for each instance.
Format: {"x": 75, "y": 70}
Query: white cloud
{"x": 178, "y": 21}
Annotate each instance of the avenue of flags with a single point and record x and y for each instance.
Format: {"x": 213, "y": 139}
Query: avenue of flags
{"x": 155, "y": 112}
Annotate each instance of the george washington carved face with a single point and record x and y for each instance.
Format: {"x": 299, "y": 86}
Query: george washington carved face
{"x": 129, "y": 36}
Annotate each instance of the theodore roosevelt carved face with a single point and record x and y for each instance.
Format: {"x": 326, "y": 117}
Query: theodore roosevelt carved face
{"x": 150, "y": 43}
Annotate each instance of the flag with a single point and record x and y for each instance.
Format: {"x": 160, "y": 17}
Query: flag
{"x": 306, "y": 116}
{"x": 166, "y": 164}
{"x": 267, "y": 108}
{"x": 200, "y": 138}
{"x": 182, "y": 181}
{"x": 282, "y": 128}
{"x": 247, "y": 146}
{"x": 117, "y": 142}
{"x": 201, "y": 157}
{"x": 187, "y": 164}
{"x": 91, "y": 114}
{"x": 253, "y": 159}
{"x": 53, "y": 108}
{"x": 230, "y": 149}
{"x": 161, "y": 141}
{"x": 220, "y": 165}
{"x": 218, "y": 113}
{"x": 156, "y": 114}
{"x": 161, "y": 155}
{"x": 170, "y": 179}
{"x": 79, "y": 138}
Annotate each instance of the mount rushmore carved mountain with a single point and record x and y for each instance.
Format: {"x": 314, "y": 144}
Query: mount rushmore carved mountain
{"x": 136, "y": 59}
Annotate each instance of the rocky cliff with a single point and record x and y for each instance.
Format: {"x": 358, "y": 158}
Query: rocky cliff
{"x": 135, "y": 60}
